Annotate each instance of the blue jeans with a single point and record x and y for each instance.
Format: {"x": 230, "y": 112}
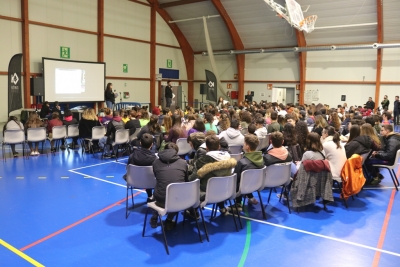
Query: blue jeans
{"x": 169, "y": 101}
{"x": 110, "y": 105}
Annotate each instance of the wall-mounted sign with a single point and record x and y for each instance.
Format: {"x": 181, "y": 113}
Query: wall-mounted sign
{"x": 229, "y": 86}
{"x": 125, "y": 68}
{"x": 65, "y": 52}
{"x": 235, "y": 76}
{"x": 269, "y": 86}
{"x": 169, "y": 63}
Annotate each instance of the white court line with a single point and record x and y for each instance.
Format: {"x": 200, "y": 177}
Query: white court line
{"x": 276, "y": 225}
{"x": 92, "y": 165}
{"x": 375, "y": 188}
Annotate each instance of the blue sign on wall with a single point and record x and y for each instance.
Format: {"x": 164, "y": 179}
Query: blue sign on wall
{"x": 169, "y": 73}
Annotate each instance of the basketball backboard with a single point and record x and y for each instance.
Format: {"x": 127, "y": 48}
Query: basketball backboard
{"x": 295, "y": 12}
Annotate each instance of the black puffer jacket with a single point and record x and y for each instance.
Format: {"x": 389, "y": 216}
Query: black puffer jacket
{"x": 392, "y": 144}
{"x": 142, "y": 157}
{"x": 360, "y": 145}
{"x": 169, "y": 168}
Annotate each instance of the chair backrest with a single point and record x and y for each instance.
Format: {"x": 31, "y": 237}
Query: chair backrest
{"x": 73, "y": 130}
{"x": 98, "y": 132}
{"x": 310, "y": 128}
{"x": 220, "y": 188}
{"x": 140, "y": 176}
{"x": 184, "y": 146}
{"x": 36, "y": 134}
{"x": 252, "y": 180}
{"x": 264, "y": 142}
{"x": 237, "y": 156}
{"x": 235, "y": 149}
{"x": 121, "y": 136}
{"x": 364, "y": 157}
{"x": 134, "y": 135}
{"x": 295, "y": 152}
{"x": 181, "y": 196}
{"x": 260, "y": 143}
{"x": 396, "y": 161}
{"x": 13, "y": 136}
{"x": 244, "y": 131}
{"x": 277, "y": 174}
{"x": 59, "y": 132}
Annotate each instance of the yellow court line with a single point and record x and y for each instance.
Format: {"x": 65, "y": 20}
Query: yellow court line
{"x": 21, "y": 254}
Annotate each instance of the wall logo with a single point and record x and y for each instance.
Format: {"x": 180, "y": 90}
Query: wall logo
{"x": 14, "y": 79}
{"x": 211, "y": 84}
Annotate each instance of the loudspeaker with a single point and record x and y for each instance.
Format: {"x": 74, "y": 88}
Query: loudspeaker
{"x": 37, "y": 87}
{"x": 203, "y": 89}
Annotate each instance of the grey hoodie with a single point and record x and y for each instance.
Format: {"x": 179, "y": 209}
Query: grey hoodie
{"x": 233, "y": 137}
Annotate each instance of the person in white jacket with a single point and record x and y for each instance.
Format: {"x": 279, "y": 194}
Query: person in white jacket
{"x": 261, "y": 131}
{"x": 232, "y": 135}
{"x": 334, "y": 152}
{"x": 13, "y": 124}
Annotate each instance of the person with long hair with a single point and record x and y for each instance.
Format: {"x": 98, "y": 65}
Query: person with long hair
{"x": 367, "y": 129}
{"x": 209, "y": 122}
{"x": 198, "y": 126}
{"x": 289, "y": 135}
{"x": 191, "y": 118}
{"x": 176, "y": 131}
{"x": 107, "y": 116}
{"x": 87, "y": 122}
{"x": 301, "y": 131}
{"x": 320, "y": 124}
{"x": 359, "y": 144}
{"x": 33, "y": 122}
{"x": 314, "y": 148}
{"x": 334, "y": 152}
{"x": 145, "y": 118}
{"x": 109, "y": 96}
{"x": 220, "y": 102}
{"x": 224, "y": 122}
{"x": 166, "y": 124}
{"x": 152, "y": 128}
{"x": 245, "y": 119}
{"x": 13, "y": 124}
{"x": 335, "y": 121}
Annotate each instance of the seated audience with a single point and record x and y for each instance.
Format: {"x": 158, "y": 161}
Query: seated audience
{"x": 334, "y": 152}
{"x": 109, "y": 138}
{"x": 232, "y": 135}
{"x": 13, "y": 124}
{"x": 87, "y": 122}
{"x": 55, "y": 121}
{"x": 108, "y": 116}
{"x": 209, "y": 122}
{"x": 314, "y": 148}
{"x": 33, "y": 122}
{"x": 145, "y": 117}
{"x": 278, "y": 153}
{"x": 68, "y": 119}
{"x": 359, "y": 144}
{"x": 152, "y": 128}
{"x": 261, "y": 131}
{"x": 198, "y": 126}
{"x": 168, "y": 168}
{"x": 45, "y": 110}
{"x": 320, "y": 124}
{"x": 176, "y": 131}
{"x": 274, "y": 126}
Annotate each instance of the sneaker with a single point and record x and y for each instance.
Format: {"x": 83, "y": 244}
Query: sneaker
{"x": 252, "y": 201}
{"x": 112, "y": 155}
{"x": 150, "y": 199}
{"x": 169, "y": 225}
{"x": 53, "y": 150}
{"x": 238, "y": 205}
{"x": 375, "y": 181}
{"x": 33, "y": 153}
{"x": 153, "y": 222}
{"x": 192, "y": 215}
{"x": 380, "y": 176}
{"x": 37, "y": 153}
{"x": 107, "y": 156}
{"x": 15, "y": 154}
{"x": 283, "y": 196}
{"x": 224, "y": 211}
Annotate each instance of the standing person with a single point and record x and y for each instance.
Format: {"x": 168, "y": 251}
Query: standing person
{"x": 385, "y": 103}
{"x": 168, "y": 94}
{"x": 13, "y": 124}
{"x": 396, "y": 110}
{"x": 109, "y": 96}
{"x": 248, "y": 98}
{"x": 370, "y": 104}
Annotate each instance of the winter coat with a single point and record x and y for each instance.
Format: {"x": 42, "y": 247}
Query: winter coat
{"x": 360, "y": 145}
{"x": 207, "y": 167}
{"x": 308, "y": 185}
{"x": 141, "y": 157}
{"x": 392, "y": 144}
{"x": 132, "y": 125}
{"x": 109, "y": 96}
{"x": 233, "y": 137}
{"x": 85, "y": 127}
{"x": 250, "y": 160}
{"x": 261, "y": 132}
{"x": 168, "y": 168}
{"x": 270, "y": 160}
{"x": 112, "y": 127}
{"x": 352, "y": 176}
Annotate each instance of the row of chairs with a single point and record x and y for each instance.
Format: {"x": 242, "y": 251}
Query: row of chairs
{"x": 183, "y": 196}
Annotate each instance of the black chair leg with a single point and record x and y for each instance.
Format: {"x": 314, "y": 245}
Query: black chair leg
{"x": 233, "y": 216}
{"x": 204, "y": 224}
{"x": 238, "y": 214}
{"x": 145, "y": 221}
{"x": 287, "y": 198}
{"x": 269, "y": 196}
{"x": 394, "y": 179}
{"x": 126, "y": 203}
{"x": 197, "y": 223}
{"x": 165, "y": 237}
{"x": 262, "y": 205}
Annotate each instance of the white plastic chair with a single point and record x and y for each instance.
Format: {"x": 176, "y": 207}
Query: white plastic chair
{"x": 121, "y": 139}
{"x": 59, "y": 133}
{"x": 13, "y": 137}
{"x": 135, "y": 134}
{"x": 390, "y": 168}
{"x": 179, "y": 196}
{"x": 237, "y": 156}
{"x": 235, "y": 149}
{"x": 184, "y": 146}
{"x": 97, "y": 133}
{"x": 251, "y": 181}
{"x": 220, "y": 189}
{"x": 72, "y": 131}
{"x": 276, "y": 175}
{"x": 264, "y": 142}
{"x": 36, "y": 135}
{"x": 141, "y": 177}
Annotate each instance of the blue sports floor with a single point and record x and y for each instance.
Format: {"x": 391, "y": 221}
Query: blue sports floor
{"x": 68, "y": 209}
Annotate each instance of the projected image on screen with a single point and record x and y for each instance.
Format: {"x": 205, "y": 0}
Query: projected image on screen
{"x": 70, "y": 81}
{"x": 73, "y": 81}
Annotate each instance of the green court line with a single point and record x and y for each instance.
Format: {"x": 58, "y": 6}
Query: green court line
{"x": 248, "y": 239}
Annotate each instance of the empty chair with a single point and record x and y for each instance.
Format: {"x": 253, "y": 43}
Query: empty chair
{"x": 391, "y": 168}
{"x": 121, "y": 141}
{"x": 97, "y": 133}
{"x": 184, "y": 146}
{"x": 13, "y": 137}
{"x": 141, "y": 177}
{"x": 276, "y": 175}
{"x": 235, "y": 149}
{"x": 36, "y": 135}
{"x": 72, "y": 132}
{"x": 179, "y": 197}
{"x": 58, "y": 135}
{"x": 220, "y": 189}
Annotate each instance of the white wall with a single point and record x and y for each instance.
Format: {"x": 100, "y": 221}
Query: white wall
{"x": 391, "y": 65}
{"x": 138, "y": 90}
{"x": 10, "y": 8}
{"x": 164, "y": 35}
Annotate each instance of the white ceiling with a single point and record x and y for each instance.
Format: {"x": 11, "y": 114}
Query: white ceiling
{"x": 259, "y": 27}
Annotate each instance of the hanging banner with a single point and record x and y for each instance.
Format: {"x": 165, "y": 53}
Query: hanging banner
{"x": 14, "y": 83}
{"x": 211, "y": 86}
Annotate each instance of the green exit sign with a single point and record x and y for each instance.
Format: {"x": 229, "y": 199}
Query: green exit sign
{"x": 169, "y": 63}
{"x": 125, "y": 68}
{"x": 65, "y": 52}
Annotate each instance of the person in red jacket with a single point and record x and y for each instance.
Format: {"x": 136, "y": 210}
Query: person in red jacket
{"x": 55, "y": 121}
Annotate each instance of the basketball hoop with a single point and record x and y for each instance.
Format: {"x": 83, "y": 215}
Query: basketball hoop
{"x": 308, "y": 23}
